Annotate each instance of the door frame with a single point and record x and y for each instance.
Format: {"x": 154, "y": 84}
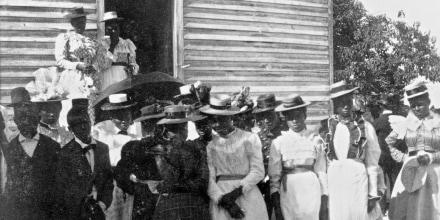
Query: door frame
{"x": 178, "y": 40}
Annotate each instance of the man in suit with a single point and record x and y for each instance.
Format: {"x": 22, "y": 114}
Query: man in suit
{"x": 31, "y": 158}
{"x": 83, "y": 170}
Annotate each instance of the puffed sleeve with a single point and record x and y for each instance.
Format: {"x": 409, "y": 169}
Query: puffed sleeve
{"x": 372, "y": 155}
{"x": 320, "y": 165}
{"x": 256, "y": 166}
{"x": 132, "y": 59}
{"x": 61, "y": 52}
{"x": 214, "y": 191}
{"x": 392, "y": 140}
{"x": 275, "y": 167}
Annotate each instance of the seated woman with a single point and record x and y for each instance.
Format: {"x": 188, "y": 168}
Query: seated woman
{"x": 297, "y": 166}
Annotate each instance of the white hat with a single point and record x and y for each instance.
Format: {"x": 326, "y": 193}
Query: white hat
{"x": 117, "y": 101}
{"x": 110, "y": 15}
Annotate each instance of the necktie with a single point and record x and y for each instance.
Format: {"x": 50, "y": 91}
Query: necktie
{"x": 123, "y": 132}
{"x": 86, "y": 149}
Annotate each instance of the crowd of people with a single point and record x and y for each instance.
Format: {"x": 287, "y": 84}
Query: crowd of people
{"x": 211, "y": 156}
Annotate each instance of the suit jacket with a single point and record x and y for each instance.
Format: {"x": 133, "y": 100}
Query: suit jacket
{"x": 75, "y": 179}
{"x": 29, "y": 187}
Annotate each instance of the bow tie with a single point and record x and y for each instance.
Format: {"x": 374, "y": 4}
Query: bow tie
{"x": 123, "y": 132}
{"x": 89, "y": 147}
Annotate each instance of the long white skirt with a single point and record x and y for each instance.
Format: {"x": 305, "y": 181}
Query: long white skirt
{"x": 302, "y": 198}
{"x": 422, "y": 204}
{"x": 252, "y": 203}
{"x": 112, "y": 75}
{"x": 348, "y": 190}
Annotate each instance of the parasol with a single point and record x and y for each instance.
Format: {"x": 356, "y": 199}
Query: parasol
{"x": 139, "y": 87}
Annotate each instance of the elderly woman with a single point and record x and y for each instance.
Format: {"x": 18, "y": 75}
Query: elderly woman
{"x": 297, "y": 166}
{"x": 415, "y": 195}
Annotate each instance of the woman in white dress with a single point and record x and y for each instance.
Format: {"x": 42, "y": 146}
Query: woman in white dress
{"x": 235, "y": 165}
{"x": 297, "y": 166}
{"x": 120, "y": 55}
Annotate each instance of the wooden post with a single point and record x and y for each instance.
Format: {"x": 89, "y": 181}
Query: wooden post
{"x": 100, "y": 32}
{"x": 330, "y": 50}
{"x": 178, "y": 39}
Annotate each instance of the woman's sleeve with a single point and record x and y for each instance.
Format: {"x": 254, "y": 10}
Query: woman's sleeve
{"x": 371, "y": 158}
{"x": 256, "y": 167}
{"x": 132, "y": 59}
{"x": 61, "y": 51}
{"x": 321, "y": 165}
{"x": 275, "y": 168}
{"x": 214, "y": 192}
{"x": 392, "y": 140}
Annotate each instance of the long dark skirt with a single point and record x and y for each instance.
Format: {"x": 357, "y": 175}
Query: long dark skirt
{"x": 182, "y": 206}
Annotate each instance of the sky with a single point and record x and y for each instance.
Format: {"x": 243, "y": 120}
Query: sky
{"x": 427, "y": 12}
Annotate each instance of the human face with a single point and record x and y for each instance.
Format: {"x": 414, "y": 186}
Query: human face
{"x": 295, "y": 119}
{"x": 420, "y": 106}
{"x": 50, "y": 113}
{"x": 221, "y": 124}
{"x": 122, "y": 119}
{"x": 82, "y": 128}
{"x": 113, "y": 29}
{"x": 267, "y": 119}
{"x": 148, "y": 126}
{"x": 171, "y": 130}
{"x": 79, "y": 24}
{"x": 203, "y": 128}
{"x": 344, "y": 105}
{"x": 27, "y": 122}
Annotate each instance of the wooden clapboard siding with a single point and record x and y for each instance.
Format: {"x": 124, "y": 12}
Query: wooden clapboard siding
{"x": 272, "y": 46}
{"x": 28, "y": 29}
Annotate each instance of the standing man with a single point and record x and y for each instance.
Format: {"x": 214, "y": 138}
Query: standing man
{"x": 83, "y": 171}
{"x": 31, "y": 160}
{"x": 49, "y": 112}
{"x": 353, "y": 152}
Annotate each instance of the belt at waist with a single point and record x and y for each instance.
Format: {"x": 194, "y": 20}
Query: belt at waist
{"x": 229, "y": 177}
{"x": 119, "y": 64}
{"x": 294, "y": 170}
{"x": 414, "y": 153}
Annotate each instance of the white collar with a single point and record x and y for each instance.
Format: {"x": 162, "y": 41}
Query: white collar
{"x": 82, "y": 144}
{"x": 22, "y": 138}
{"x": 387, "y": 112}
{"x": 431, "y": 121}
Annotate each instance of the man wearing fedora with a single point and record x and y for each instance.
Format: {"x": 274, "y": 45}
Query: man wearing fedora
{"x": 83, "y": 172}
{"x": 235, "y": 164}
{"x": 297, "y": 166}
{"x": 268, "y": 128}
{"x": 120, "y": 54}
{"x": 415, "y": 195}
{"x": 184, "y": 171}
{"x": 31, "y": 160}
{"x": 136, "y": 173}
{"x": 353, "y": 153}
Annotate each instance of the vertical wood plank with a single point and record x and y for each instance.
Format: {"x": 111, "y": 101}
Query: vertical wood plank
{"x": 99, "y": 13}
{"x": 178, "y": 40}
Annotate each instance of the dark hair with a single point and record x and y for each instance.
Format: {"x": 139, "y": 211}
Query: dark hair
{"x": 77, "y": 115}
{"x": 44, "y": 105}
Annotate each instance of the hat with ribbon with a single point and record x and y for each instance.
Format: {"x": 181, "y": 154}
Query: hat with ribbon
{"x": 76, "y": 13}
{"x": 111, "y": 16}
{"x": 292, "y": 102}
{"x": 19, "y": 95}
{"x": 174, "y": 114}
{"x": 117, "y": 101}
{"x": 150, "y": 112}
{"x": 266, "y": 102}
{"x": 340, "y": 88}
{"x": 220, "y": 104}
{"x": 415, "y": 89}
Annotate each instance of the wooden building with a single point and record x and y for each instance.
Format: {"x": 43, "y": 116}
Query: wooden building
{"x": 277, "y": 46}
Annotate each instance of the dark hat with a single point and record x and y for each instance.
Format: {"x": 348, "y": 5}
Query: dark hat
{"x": 80, "y": 103}
{"x": 415, "y": 89}
{"x": 151, "y": 111}
{"x": 174, "y": 114}
{"x": 339, "y": 89}
{"x": 265, "y": 103}
{"x": 76, "y": 13}
{"x": 110, "y": 16}
{"x": 291, "y": 102}
{"x": 19, "y": 95}
{"x": 220, "y": 105}
{"x": 117, "y": 101}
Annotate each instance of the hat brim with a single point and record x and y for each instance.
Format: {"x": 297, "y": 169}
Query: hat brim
{"x": 113, "y": 19}
{"x": 164, "y": 121}
{"x": 210, "y": 111}
{"x": 259, "y": 110}
{"x": 197, "y": 117}
{"x": 111, "y": 106}
{"x": 281, "y": 107}
{"x": 47, "y": 101}
{"x": 143, "y": 118}
{"x": 414, "y": 95}
{"x": 344, "y": 92}
{"x": 70, "y": 16}
{"x": 413, "y": 175}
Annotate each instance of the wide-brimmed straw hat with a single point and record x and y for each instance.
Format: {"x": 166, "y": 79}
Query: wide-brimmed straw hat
{"x": 339, "y": 89}
{"x": 413, "y": 175}
{"x": 265, "y": 102}
{"x": 292, "y": 102}
{"x": 111, "y": 16}
{"x": 174, "y": 114}
{"x": 415, "y": 89}
{"x": 220, "y": 104}
{"x": 150, "y": 112}
{"x": 19, "y": 95}
{"x": 76, "y": 13}
{"x": 117, "y": 101}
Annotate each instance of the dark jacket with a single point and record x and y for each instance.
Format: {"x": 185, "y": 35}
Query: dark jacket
{"x": 29, "y": 187}
{"x": 75, "y": 180}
